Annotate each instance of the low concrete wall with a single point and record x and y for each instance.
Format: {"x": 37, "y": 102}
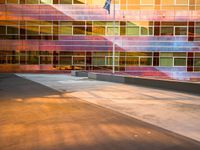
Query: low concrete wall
{"x": 185, "y": 87}
{"x": 79, "y": 73}
{"x": 106, "y": 77}
{"x": 178, "y": 86}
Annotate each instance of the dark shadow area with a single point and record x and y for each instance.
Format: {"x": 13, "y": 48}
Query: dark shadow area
{"x": 12, "y": 87}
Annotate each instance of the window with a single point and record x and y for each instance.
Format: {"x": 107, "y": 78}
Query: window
{"x": 179, "y": 61}
{"x": 46, "y": 1}
{"x": 45, "y": 29}
{"x": 180, "y": 30}
{"x": 166, "y": 61}
{"x": 111, "y": 30}
{"x": 12, "y": 30}
{"x": 2, "y": 30}
{"x": 65, "y": 60}
{"x": 79, "y": 30}
{"x": 109, "y": 61}
{"x": 66, "y": 30}
{"x": 132, "y": 30}
{"x": 147, "y": 2}
{"x": 98, "y": 30}
{"x": 78, "y": 60}
{"x": 32, "y": 30}
{"x": 145, "y": 61}
{"x": 197, "y": 62}
{"x": 167, "y": 31}
{"x": 12, "y": 1}
{"x": 132, "y": 61}
{"x": 65, "y": 1}
{"x": 182, "y": 2}
{"x": 98, "y": 61}
{"x": 32, "y": 2}
{"x": 45, "y": 60}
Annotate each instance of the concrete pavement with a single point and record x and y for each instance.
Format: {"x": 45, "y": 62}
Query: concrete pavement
{"x": 38, "y": 118}
{"x": 173, "y": 111}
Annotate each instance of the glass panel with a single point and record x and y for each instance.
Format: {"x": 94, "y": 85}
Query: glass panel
{"x": 65, "y": 60}
{"x": 132, "y": 31}
{"x": 185, "y": 2}
{"x": 145, "y": 61}
{"x": 2, "y": 30}
{"x": 132, "y": 61}
{"x": 45, "y": 29}
{"x": 32, "y": 60}
{"x": 13, "y": 59}
{"x": 31, "y": 30}
{"x": 78, "y": 60}
{"x": 12, "y": 1}
{"x": 179, "y": 61}
{"x": 197, "y": 31}
{"x": 98, "y": 61}
{"x": 167, "y": 31}
{"x": 65, "y": 1}
{"x": 181, "y": 30}
{"x": 166, "y": 61}
{"x": 110, "y": 31}
{"x": 147, "y": 2}
{"x": 78, "y": 1}
{"x": 197, "y": 62}
{"x": 109, "y": 61}
{"x": 45, "y": 60}
{"x": 166, "y": 54}
{"x": 12, "y": 30}
{"x": 46, "y": 1}
{"x": 67, "y": 30}
{"x": 79, "y": 30}
{"x": 32, "y": 2}
{"x": 98, "y": 30}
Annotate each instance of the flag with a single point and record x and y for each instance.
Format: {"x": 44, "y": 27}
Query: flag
{"x": 107, "y": 6}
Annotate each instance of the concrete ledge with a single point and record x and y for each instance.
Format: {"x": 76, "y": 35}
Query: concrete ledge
{"x": 178, "y": 86}
{"x": 79, "y": 73}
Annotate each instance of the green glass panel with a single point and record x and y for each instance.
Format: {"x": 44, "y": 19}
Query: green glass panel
{"x": 179, "y": 61}
{"x": 65, "y": 1}
{"x": 144, "y": 31}
{"x": 67, "y": 30}
{"x": 109, "y": 61}
{"x": 132, "y": 31}
{"x": 98, "y": 61}
{"x": 166, "y": 54}
{"x": 46, "y": 1}
{"x": 197, "y": 62}
{"x": 181, "y": 31}
{"x": 12, "y": 1}
{"x": 167, "y": 31}
{"x": 32, "y": 2}
{"x": 166, "y": 61}
{"x": 110, "y": 31}
{"x": 145, "y": 61}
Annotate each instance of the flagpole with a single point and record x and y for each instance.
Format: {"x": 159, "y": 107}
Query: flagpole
{"x": 113, "y": 51}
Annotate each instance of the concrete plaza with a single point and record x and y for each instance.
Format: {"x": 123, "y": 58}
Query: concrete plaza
{"x": 64, "y": 112}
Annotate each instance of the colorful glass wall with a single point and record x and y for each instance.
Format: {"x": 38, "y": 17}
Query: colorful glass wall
{"x": 157, "y": 38}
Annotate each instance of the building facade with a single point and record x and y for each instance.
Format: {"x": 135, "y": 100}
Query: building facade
{"x": 159, "y": 38}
